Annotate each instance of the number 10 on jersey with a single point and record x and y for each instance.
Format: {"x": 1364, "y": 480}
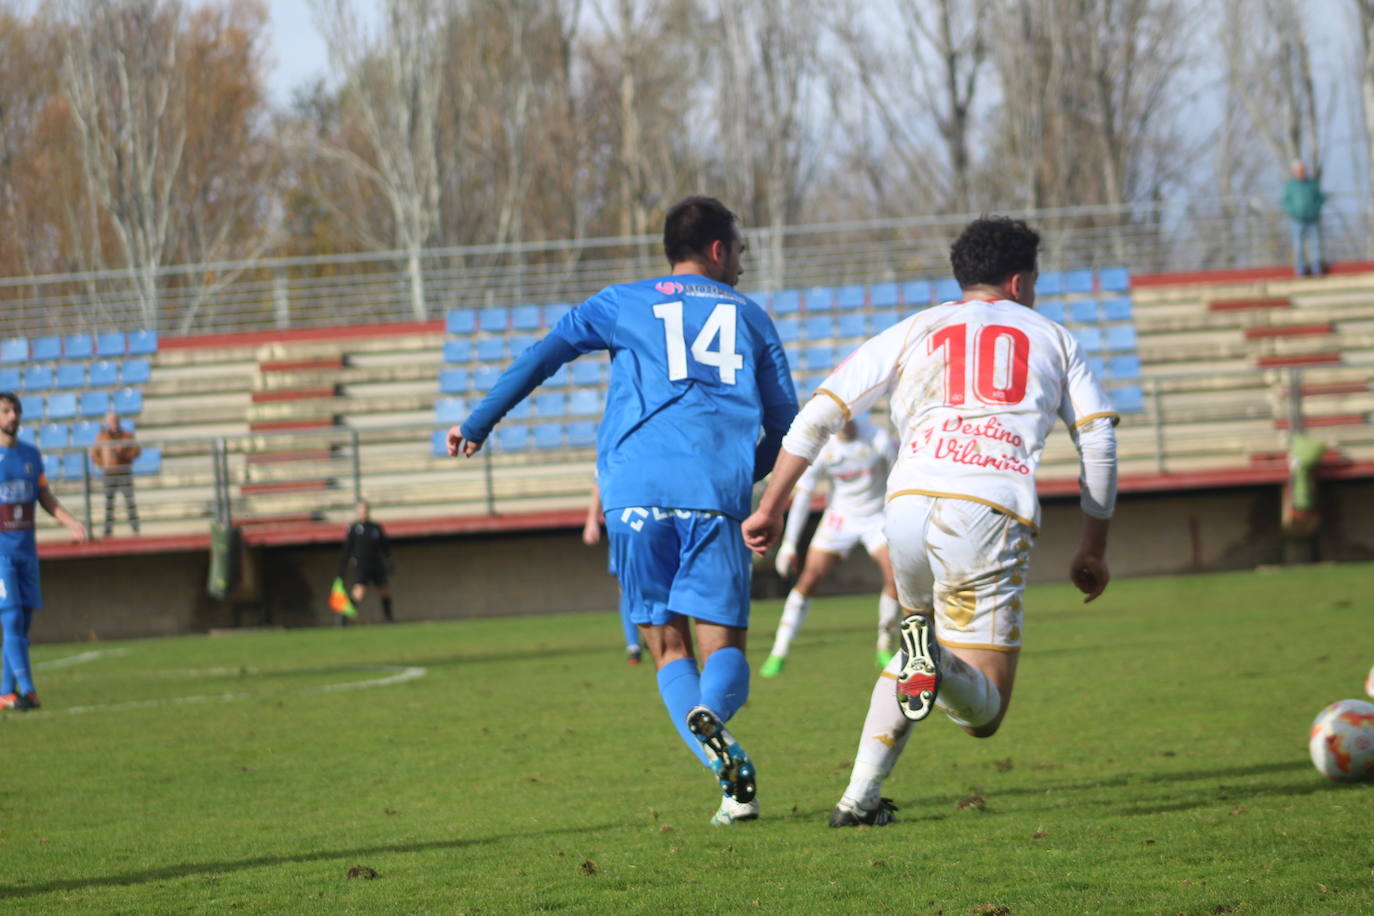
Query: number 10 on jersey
{"x": 1000, "y": 363}
{"x": 720, "y": 323}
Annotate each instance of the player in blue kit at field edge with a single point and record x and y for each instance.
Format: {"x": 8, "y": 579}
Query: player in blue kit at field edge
{"x": 699, "y": 399}
{"x": 22, "y": 485}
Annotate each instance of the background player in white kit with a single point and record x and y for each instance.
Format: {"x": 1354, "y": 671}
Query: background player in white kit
{"x": 974, "y": 387}
{"x": 856, "y": 460}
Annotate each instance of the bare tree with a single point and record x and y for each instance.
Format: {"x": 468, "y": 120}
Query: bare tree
{"x": 119, "y": 72}
{"x": 1277, "y": 68}
{"x": 392, "y": 77}
{"x": 1364, "y": 10}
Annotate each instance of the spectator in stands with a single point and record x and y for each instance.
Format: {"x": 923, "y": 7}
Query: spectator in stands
{"x": 1302, "y": 200}
{"x": 116, "y": 463}
{"x": 366, "y": 560}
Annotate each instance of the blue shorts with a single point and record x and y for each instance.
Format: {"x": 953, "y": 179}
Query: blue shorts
{"x": 19, "y": 582}
{"x": 685, "y": 562}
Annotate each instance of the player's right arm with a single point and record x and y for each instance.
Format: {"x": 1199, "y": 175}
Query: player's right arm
{"x": 591, "y": 526}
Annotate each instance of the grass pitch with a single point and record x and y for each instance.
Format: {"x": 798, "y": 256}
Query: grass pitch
{"x": 1154, "y": 761}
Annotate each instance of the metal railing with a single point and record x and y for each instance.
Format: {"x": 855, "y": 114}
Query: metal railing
{"x": 374, "y": 287}
{"x": 316, "y": 473}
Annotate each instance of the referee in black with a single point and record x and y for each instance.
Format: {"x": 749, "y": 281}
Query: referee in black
{"x": 366, "y": 560}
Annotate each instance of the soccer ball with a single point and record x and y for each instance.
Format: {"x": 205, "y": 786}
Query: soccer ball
{"x": 1342, "y": 741}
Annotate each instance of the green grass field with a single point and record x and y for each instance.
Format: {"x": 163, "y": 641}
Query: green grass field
{"x": 1154, "y": 761}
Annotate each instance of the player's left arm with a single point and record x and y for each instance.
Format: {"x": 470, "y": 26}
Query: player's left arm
{"x": 54, "y": 507}
{"x": 1088, "y": 413}
{"x": 778, "y": 397}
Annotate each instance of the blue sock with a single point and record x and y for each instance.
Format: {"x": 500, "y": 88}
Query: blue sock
{"x": 725, "y": 682}
{"x": 679, "y": 685}
{"x": 15, "y": 622}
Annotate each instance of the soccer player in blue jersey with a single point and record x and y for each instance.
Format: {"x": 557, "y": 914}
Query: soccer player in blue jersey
{"x": 699, "y": 399}
{"x": 22, "y": 484}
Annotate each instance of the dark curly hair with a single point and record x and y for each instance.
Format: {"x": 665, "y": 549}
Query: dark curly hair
{"x": 992, "y": 249}
{"x": 692, "y": 224}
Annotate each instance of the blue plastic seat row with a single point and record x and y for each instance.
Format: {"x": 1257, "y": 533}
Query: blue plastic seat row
{"x": 78, "y": 346}
{"x": 69, "y": 405}
{"x": 102, "y": 374}
{"x": 1085, "y": 311}
{"x": 517, "y": 437}
{"x": 81, "y": 434}
{"x": 464, "y": 381}
{"x": 1116, "y": 337}
{"x": 499, "y": 319}
{"x": 71, "y": 465}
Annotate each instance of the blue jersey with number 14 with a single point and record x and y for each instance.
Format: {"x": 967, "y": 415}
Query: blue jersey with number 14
{"x": 695, "y": 366}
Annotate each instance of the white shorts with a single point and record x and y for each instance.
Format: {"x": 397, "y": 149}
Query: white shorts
{"x": 839, "y": 533}
{"x": 965, "y": 561}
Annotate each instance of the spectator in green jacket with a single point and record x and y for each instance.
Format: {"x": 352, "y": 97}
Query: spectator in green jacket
{"x": 1302, "y": 200}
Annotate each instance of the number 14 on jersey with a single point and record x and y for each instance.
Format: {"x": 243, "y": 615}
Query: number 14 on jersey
{"x": 721, "y": 323}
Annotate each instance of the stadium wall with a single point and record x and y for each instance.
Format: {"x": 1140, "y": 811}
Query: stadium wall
{"x": 525, "y": 572}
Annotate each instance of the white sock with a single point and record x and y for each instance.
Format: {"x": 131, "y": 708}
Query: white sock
{"x": 793, "y": 615}
{"x": 889, "y": 617}
{"x": 886, "y": 732}
{"x": 966, "y": 695}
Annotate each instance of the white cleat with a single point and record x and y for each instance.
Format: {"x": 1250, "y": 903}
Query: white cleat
{"x": 732, "y": 812}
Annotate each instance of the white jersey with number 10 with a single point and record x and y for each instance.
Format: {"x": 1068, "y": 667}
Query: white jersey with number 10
{"x": 974, "y": 388}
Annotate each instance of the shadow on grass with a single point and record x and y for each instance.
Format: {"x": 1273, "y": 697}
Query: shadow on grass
{"x": 209, "y": 868}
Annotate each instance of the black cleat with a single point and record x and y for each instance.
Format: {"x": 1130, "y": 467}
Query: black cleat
{"x": 733, "y": 767}
{"x": 881, "y": 816}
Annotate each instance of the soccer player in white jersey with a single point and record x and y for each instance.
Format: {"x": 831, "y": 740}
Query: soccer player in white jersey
{"x": 856, "y": 460}
{"x": 974, "y": 388}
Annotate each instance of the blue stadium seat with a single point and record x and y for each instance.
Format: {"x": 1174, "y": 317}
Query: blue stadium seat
{"x": 60, "y": 406}
{"x": 127, "y": 401}
{"x": 794, "y": 355}
{"x": 850, "y": 297}
{"x": 438, "y": 443}
{"x": 884, "y": 295}
{"x": 104, "y": 374}
{"x": 819, "y": 327}
{"x": 513, "y": 438}
{"x": 785, "y": 302}
{"x": 789, "y": 329}
{"x": 1116, "y": 310}
{"x": 517, "y": 344}
{"x": 820, "y": 358}
{"x": 460, "y": 321}
{"x": 820, "y": 299}
{"x": 948, "y": 290}
{"x": 484, "y": 378}
{"x": 551, "y": 403}
{"x": 84, "y": 432}
{"x": 1083, "y": 311}
{"x": 1128, "y": 399}
{"x": 142, "y": 343}
{"x": 525, "y": 318}
{"x": 1049, "y": 283}
{"x": 136, "y": 372}
{"x": 585, "y": 402}
{"x": 1124, "y": 367}
{"x": 1090, "y": 339}
{"x": 46, "y": 349}
{"x": 559, "y": 378}
{"x": 73, "y": 465}
{"x": 14, "y": 350}
{"x": 495, "y": 319}
{"x": 71, "y": 375}
{"x": 54, "y": 435}
{"x": 453, "y": 381}
{"x": 581, "y": 435}
{"x": 554, "y": 313}
{"x": 11, "y": 378}
{"x": 26, "y": 434}
{"x": 1098, "y": 365}
{"x": 886, "y": 318}
{"x": 816, "y": 380}
{"x": 111, "y": 343}
{"x": 37, "y": 378}
{"x": 854, "y": 325}
{"x": 1053, "y": 309}
{"x": 916, "y": 294}
{"x": 491, "y": 349}
{"x": 523, "y": 410}
{"x": 458, "y": 350}
{"x": 1078, "y": 281}
{"x": 32, "y": 406}
{"x": 586, "y": 371}
{"x": 548, "y": 435}
{"x": 450, "y": 411}
{"x": 1114, "y": 279}
{"x": 78, "y": 346}
{"x": 1121, "y": 337}
{"x": 95, "y": 403}
{"x": 148, "y": 462}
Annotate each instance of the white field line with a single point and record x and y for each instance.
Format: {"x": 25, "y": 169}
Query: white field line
{"x": 398, "y": 674}
{"x": 80, "y": 657}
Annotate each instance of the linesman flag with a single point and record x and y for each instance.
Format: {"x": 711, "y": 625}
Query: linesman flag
{"x": 339, "y": 602}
